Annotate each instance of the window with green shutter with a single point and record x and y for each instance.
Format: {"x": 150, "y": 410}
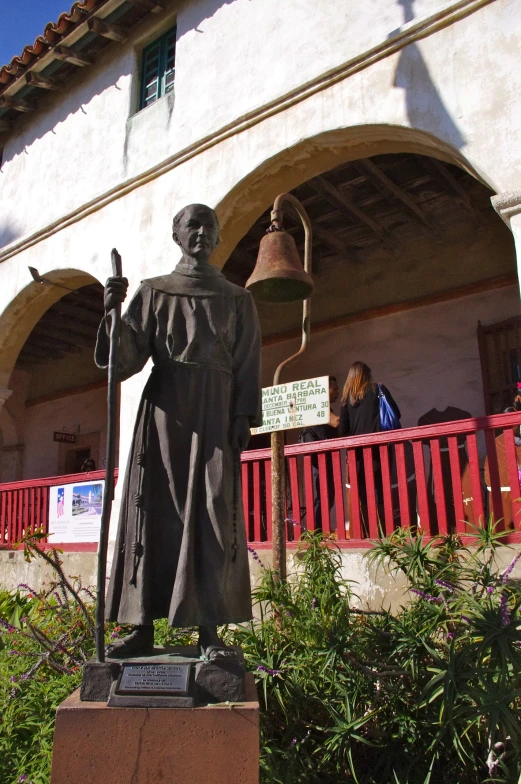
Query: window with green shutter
{"x": 158, "y": 69}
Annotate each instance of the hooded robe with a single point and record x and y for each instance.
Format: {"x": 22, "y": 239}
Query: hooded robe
{"x": 181, "y": 548}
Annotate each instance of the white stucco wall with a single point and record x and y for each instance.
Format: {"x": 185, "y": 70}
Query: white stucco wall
{"x": 86, "y": 411}
{"x": 243, "y": 125}
{"x": 428, "y": 357}
{"x": 457, "y": 84}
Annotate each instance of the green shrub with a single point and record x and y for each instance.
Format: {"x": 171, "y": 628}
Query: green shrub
{"x": 430, "y": 694}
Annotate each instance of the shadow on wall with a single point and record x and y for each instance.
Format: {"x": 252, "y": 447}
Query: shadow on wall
{"x": 8, "y": 232}
{"x": 424, "y": 105}
{"x": 84, "y": 87}
{"x": 111, "y": 66}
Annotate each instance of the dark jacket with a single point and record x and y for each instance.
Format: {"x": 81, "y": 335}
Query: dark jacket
{"x": 364, "y": 417}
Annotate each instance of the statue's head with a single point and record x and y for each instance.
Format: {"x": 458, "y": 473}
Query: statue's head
{"x": 196, "y": 230}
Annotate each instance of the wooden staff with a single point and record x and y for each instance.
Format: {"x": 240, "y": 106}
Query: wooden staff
{"x": 108, "y": 495}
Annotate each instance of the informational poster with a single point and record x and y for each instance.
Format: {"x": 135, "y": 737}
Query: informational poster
{"x": 75, "y": 512}
{"x": 296, "y": 404}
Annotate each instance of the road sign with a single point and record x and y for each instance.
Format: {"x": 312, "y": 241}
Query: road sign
{"x": 296, "y": 404}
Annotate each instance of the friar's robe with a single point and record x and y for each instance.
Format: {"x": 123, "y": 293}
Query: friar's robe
{"x": 181, "y": 548}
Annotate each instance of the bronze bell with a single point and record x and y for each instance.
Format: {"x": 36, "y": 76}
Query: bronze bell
{"x": 278, "y": 275}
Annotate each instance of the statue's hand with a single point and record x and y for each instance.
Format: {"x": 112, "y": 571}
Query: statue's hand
{"x": 240, "y": 433}
{"x": 115, "y": 292}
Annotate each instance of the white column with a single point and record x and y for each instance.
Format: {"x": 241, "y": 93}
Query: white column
{"x": 508, "y": 207}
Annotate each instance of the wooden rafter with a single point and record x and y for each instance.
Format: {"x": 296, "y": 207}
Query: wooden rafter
{"x": 71, "y": 56}
{"x": 53, "y": 320}
{"x": 376, "y": 174}
{"x": 39, "y": 80}
{"x": 156, "y": 6}
{"x": 44, "y": 330}
{"x": 17, "y": 104}
{"x": 52, "y": 343}
{"x": 111, "y": 31}
{"x": 322, "y": 186}
{"x": 465, "y": 200}
{"x": 77, "y": 314}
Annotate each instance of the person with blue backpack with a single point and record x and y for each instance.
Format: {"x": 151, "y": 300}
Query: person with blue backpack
{"x": 366, "y": 407}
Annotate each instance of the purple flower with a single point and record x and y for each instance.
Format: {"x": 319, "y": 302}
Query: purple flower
{"x": 466, "y": 619}
{"x": 490, "y": 589}
{"x": 294, "y": 742}
{"x": 509, "y": 569}
{"x": 427, "y": 596}
{"x": 22, "y": 778}
{"x": 450, "y": 588}
{"x": 13, "y": 678}
{"x": 291, "y": 521}
{"x": 255, "y": 556}
{"x": 505, "y": 613}
{"x": 267, "y": 670}
{"x": 288, "y": 613}
{"x": 114, "y": 636}
{"x": 313, "y": 602}
{"x": 12, "y": 652}
{"x": 58, "y": 598}
{"x": 27, "y": 588}
{"x": 24, "y": 677}
{"x": 6, "y": 625}
{"x": 450, "y": 636}
{"x": 12, "y": 693}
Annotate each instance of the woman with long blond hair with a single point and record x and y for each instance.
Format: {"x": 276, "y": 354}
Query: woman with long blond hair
{"x": 360, "y": 410}
{"x": 359, "y": 414}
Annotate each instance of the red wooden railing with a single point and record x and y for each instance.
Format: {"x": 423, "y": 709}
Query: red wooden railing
{"x": 440, "y": 478}
{"x": 24, "y": 507}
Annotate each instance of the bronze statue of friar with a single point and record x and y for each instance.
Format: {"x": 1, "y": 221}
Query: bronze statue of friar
{"x": 181, "y": 550}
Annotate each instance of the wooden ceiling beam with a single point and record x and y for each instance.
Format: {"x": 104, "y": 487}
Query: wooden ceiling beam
{"x": 71, "y": 56}
{"x": 106, "y": 30}
{"x": 42, "y": 353}
{"x": 39, "y": 80}
{"x": 376, "y": 174}
{"x": 156, "y": 6}
{"x": 48, "y": 341}
{"x": 75, "y": 330}
{"x": 76, "y": 314}
{"x": 65, "y": 335}
{"x": 466, "y": 201}
{"x": 336, "y": 198}
{"x": 17, "y": 104}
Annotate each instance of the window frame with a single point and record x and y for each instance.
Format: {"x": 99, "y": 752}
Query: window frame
{"x": 162, "y": 70}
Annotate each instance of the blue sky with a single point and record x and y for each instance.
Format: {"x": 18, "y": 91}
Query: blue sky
{"x": 22, "y": 20}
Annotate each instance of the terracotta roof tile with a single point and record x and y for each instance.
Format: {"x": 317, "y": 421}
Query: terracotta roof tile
{"x": 52, "y": 34}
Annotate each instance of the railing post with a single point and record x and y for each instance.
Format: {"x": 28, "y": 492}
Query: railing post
{"x": 278, "y": 483}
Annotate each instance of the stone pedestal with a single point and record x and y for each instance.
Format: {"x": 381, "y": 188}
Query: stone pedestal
{"x": 218, "y": 744}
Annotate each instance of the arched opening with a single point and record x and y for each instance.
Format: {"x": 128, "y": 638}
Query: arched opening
{"x": 408, "y": 258}
{"x": 54, "y": 415}
{"x": 415, "y": 275}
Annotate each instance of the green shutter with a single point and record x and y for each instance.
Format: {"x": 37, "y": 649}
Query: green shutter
{"x": 158, "y": 69}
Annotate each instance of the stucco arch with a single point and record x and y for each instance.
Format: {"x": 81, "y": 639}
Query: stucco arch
{"x": 313, "y": 156}
{"x": 25, "y": 310}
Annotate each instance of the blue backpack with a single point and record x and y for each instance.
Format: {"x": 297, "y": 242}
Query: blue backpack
{"x": 388, "y": 418}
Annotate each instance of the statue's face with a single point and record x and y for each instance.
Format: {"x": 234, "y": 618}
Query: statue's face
{"x": 198, "y": 233}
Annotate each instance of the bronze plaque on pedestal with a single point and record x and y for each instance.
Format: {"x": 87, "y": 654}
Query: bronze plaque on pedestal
{"x": 153, "y": 685}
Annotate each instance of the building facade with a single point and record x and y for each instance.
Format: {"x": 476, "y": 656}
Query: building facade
{"x": 397, "y": 123}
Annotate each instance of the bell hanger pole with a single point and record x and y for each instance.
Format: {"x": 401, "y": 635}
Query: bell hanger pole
{"x": 278, "y": 468}
{"x": 276, "y": 225}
